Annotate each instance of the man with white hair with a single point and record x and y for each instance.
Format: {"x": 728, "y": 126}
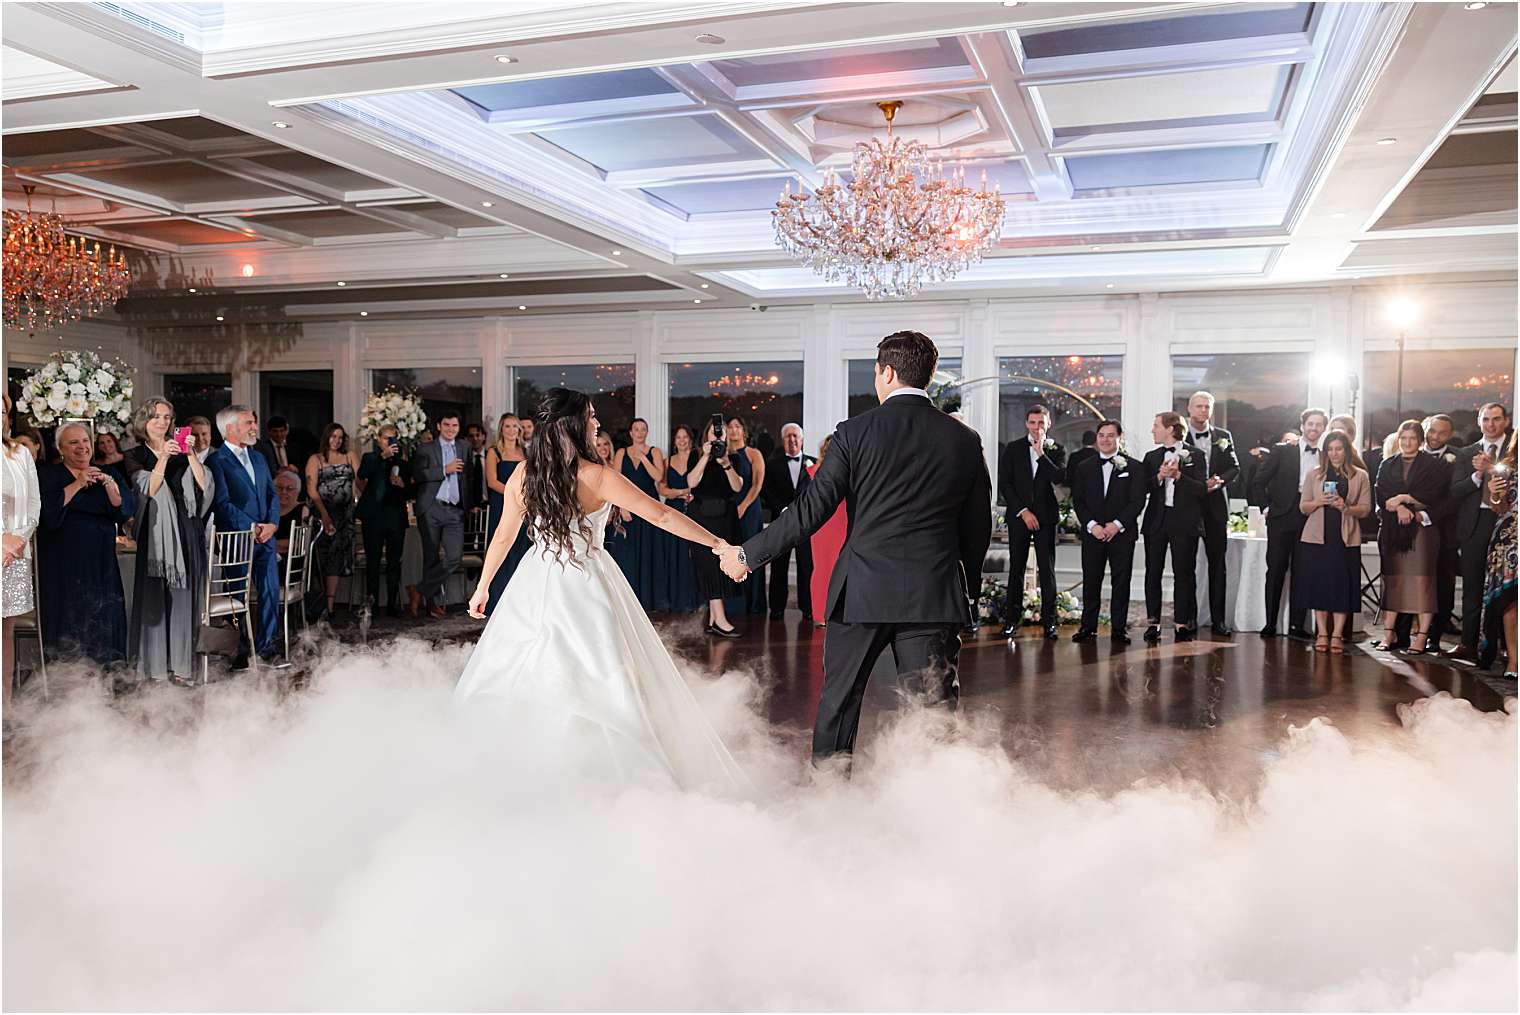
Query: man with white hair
{"x": 246, "y": 499}
{"x": 786, "y": 476}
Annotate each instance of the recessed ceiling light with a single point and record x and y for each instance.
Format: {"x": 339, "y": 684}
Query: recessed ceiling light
{"x": 521, "y": 307}
{"x": 488, "y": 204}
{"x": 504, "y": 58}
{"x": 341, "y": 284}
{"x": 1109, "y": 285}
{"x": 1010, "y": 3}
{"x": 709, "y": 39}
{"x": 617, "y": 253}
{"x": 704, "y": 286}
{"x": 696, "y": 301}
{"x": 248, "y": 271}
{"x": 1477, "y": 5}
{"x": 219, "y": 317}
{"x": 364, "y": 313}
{"x": 191, "y": 289}
{"x": 1387, "y": 140}
{"x": 503, "y": 275}
{"x": 282, "y": 124}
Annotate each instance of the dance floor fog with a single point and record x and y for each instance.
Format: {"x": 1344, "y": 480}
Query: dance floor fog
{"x": 1236, "y": 825}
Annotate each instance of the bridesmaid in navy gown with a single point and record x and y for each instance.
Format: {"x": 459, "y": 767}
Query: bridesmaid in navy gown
{"x": 750, "y": 465}
{"x": 644, "y": 467}
{"x": 501, "y": 461}
{"x": 677, "y": 493}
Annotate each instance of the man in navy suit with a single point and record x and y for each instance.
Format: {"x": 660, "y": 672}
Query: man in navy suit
{"x": 245, "y": 498}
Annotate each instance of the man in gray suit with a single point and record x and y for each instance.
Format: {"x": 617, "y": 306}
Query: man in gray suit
{"x": 443, "y": 495}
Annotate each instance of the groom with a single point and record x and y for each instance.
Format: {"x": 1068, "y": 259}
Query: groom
{"x": 920, "y": 518}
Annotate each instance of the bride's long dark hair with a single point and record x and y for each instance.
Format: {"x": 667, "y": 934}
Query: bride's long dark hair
{"x": 552, "y": 507}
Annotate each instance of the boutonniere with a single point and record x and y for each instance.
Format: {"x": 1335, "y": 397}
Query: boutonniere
{"x": 1183, "y": 454}
{"x": 1448, "y": 458}
{"x": 1049, "y": 444}
{"x": 1223, "y": 444}
{"x": 1120, "y": 462}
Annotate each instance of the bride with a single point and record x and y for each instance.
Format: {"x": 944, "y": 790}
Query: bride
{"x": 569, "y": 672}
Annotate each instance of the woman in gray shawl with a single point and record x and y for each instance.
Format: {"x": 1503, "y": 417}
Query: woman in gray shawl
{"x": 175, "y": 492}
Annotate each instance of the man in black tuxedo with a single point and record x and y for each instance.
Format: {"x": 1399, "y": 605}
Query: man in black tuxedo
{"x": 1108, "y": 491}
{"x": 1028, "y": 473}
{"x": 480, "y": 493}
{"x": 1473, "y": 519}
{"x": 786, "y": 476}
{"x": 1217, "y": 447}
{"x": 1176, "y": 484}
{"x": 920, "y": 509}
{"x": 1278, "y": 482}
{"x": 1086, "y": 451}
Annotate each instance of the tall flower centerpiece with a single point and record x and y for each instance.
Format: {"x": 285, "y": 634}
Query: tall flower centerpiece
{"x": 401, "y": 409}
{"x": 79, "y": 384}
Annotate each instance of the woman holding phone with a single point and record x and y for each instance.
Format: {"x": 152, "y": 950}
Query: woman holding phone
{"x": 174, "y": 497}
{"x": 1335, "y": 497}
{"x": 715, "y": 492}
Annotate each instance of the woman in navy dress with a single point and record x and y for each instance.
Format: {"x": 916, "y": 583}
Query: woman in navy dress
{"x": 502, "y": 460}
{"x": 677, "y": 493}
{"x": 644, "y": 467}
{"x": 750, "y": 466}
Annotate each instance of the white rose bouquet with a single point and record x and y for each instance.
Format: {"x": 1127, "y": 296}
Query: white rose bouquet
{"x": 78, "y": 384}
{"x": 390, "y": 407}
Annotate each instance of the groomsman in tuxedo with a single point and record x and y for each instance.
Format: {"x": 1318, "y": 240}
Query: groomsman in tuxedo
{"x": 1087, "y": 450}
{"x": 1108, "y": 491}
{"x": 1473, "y": 520}
{"x": 1028, "y": 473}
{"x": 480, "y": 493}
{"x": 1220, "y": 467}
{"x": 786, "y": 476}
{"x": 1176, "y": 484}
{"x": 1278, "y": 483}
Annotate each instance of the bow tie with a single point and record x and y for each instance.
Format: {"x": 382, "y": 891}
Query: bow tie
{"x": 1201, "y": 436}
{"x": 1311, "y": 451}
{"x": 794, "y": 458}
{"x": 1108, "y": 460}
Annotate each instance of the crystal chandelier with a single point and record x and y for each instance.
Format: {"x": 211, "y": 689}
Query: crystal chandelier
{"x": 898, "y": 224}
{"x": 51, "y": 277}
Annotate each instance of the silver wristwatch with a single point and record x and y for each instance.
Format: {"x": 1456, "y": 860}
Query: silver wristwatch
{"x": 743, "y": 559}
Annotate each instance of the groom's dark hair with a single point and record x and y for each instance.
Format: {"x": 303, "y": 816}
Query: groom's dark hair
{"x": 912, "y": 354}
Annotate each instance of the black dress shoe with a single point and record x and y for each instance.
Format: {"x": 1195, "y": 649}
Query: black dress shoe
{"x": 1085, "y": 635}
{"x": 1051, "y": 634}
{"x": 1120, "y": 638}
{"x": 1010, "y": 630}
{"x": 1302, "y": 634}
{"x": 1269, "y": 631}
{"x": 1224, "y": 629}
{"x": 1152, "y": 634}
{"x": 718, "y": 632}
{"x": 1186, "y": 634}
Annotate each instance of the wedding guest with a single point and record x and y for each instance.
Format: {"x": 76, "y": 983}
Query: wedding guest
{"x": 1107, "y": 491}
{"x": 1176, "y": 481}
{"x": 1439, "y": 431}
{"x": 1278, "y": 481}
{"x": 293, "y": 510}
{"x": 614, "y": 535}
{"x": 426, "y": 437}
{"x": 1336, "y": 494}
{"x": 528, "y": 426}
{"x": 385, "y": 486}
{"x": 200, "y": 428}
{"x": 828, "y": 544}
{"x": 677, "y": 493}
{"x": 475, "y": 433}
{"x": 32, "y": 441}
{"x": 749, "y": 464}
{"x": 786, "y": 476}
{"x": 1089, "y": 449}
{"x": 443, "y": 495}
{"x": 645, "y": 548}
{"x": 107, "y": 450}
{"x": 20, "y": 509}
{"x": 175, "y": 494}
{"x": 503, "y": 458}
{"x": 1471, "y": 510}
{"x": 1217, "y": 446}
{"x": 1498, "y": 622}
{"x": 245, "y": 499}
{"x": 1028, "y": 472}
{"x": 275, "y": 446}
{"x": 330, "y": 489}
{"x": 83, "y": 609}
{"x": 1409, "y": 486}
{"x": 716, "y": 491}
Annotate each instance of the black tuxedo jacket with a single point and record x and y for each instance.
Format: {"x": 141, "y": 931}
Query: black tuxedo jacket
{"x": 1074, "y": 463}
{"x": 920, "y": 516}
{"x": 1122, "y": 503}
{"x": 1187, "y": 494}
{"x": 1223, "y": 463}
{"x": 778, "y": 493}
{"x": 1276, "y": 483}
{"x": 1020, "y": 488}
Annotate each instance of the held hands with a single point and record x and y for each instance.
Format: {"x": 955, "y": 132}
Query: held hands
{"x": 1405, "y": 515}
{"x": 264, "y": 531}
{"x": 728, "y": 560}
{"x": 14, "y": 547}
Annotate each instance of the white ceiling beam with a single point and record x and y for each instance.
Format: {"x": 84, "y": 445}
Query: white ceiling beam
{"x": 1016, "y": 110}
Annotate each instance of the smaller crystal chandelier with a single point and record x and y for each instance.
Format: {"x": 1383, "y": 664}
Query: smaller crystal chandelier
{"x": 898, "y": 224}
{"x": 51, "y": 277}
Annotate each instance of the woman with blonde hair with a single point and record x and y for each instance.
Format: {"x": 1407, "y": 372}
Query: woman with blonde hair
{"x": 1335, "y": 496}
{"x": 22, "y": 508}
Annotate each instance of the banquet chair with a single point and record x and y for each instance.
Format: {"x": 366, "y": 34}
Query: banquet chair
{"x": 297, "y": 578}
{"x": 473, "y": 559}
{"x": 29, "y": 625}
{"x": 229, "y": 587}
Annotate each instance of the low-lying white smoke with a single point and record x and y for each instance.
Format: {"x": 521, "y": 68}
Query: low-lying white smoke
{"x": 345, "y": 848}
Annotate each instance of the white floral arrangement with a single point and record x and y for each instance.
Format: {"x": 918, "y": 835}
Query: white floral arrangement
{"x": 400, "y": 409}
{"x": 78, "y": 384}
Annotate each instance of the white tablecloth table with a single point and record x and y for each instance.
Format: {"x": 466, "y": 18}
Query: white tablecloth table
{"x": 1245, "y": 596}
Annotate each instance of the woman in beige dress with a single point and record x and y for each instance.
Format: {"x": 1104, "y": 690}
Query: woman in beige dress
{"x": 1410, "y": 486}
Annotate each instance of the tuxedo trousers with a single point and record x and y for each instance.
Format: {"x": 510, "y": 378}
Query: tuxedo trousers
{"x": 1283, "y": 569}
{"x": 1117, "y": 556}
{"x": 1474, "y": 567}
{"x": 1216, "y": 546}
{"x": 778, "y": 583}
{"x": 1044, "y": 543}
{"x": 1181, "y": 541}
{"x": 927, "y": 657}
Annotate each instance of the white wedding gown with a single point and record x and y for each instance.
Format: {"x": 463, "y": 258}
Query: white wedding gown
{"x": 569, "y": 677}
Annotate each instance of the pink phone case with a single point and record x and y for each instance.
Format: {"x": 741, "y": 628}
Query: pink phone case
{"x": 179, "y": 438}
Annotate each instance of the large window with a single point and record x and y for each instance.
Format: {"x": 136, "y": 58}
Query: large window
{"x": 1258, "y": 397}
{"x": 1080, "y": 391}
{"x": 442, "y": 389}
{"x": 1454, "y": 381}
{"x": 944, "y": 388}
{"x": 610, "y": 386}
{"x": 303, "y": 397}
{"x": 767, "y": 395}
{"x": 198, "y": 395}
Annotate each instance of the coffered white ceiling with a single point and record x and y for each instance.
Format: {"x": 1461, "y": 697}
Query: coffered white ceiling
{"x": 598, "y": 154}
